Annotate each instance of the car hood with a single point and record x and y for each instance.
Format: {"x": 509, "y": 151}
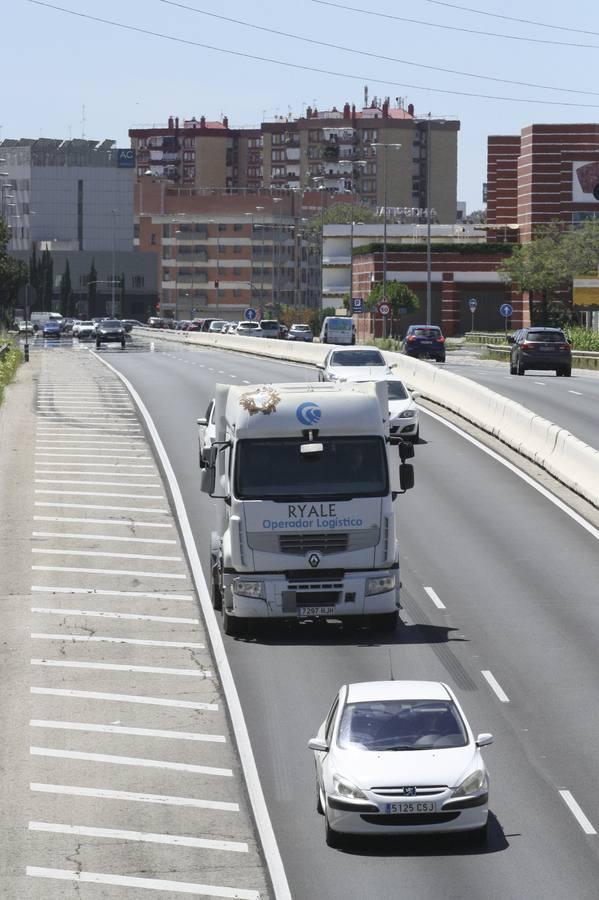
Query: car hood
{"x": 398, "y": 406}
{"x": 361, "y": 373}
{"x": 367, "y": 769}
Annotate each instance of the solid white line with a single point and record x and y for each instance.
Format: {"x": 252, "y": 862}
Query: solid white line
{"x": 133, "y": 573}
{"x": 139, "y": 595}
{"x": 101, "y": 537}
{"x": 96, "y": 480}
{"x": 577, "y": 812}
{"x": 120, "y": 466}
{"x": 594, "y": 532}
{"x": 132, "y": 796}
{"x": 70, "y": 430}
{"x": 141, "y": 836}
{"x": 120, "y": 729}
{"x": 117, "y": 667}
{"x": 93, "y": 613}
{"x": 151, "y": 884}
{"x": 102, "y": 494}
{"x": 136, "y": 509}
{"x": 495, "y": 686}
{"x": 103, "y": 455}
{"x": 578, "y": 394}
{"x": 540, "y": 382}
{"x": 140, "y": 761}
{"x": 126, "y": 522}
{"x": 435, "y": 598}
{"x": 99, "y": 639}
{"x": 259, "y": 808}
{"x": 145, "y": 556}
{"x": 125, "y": 698}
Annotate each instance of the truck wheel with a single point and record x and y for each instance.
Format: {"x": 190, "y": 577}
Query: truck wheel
{"x": 215, "y": 591}
{"x": 386, "y": 622}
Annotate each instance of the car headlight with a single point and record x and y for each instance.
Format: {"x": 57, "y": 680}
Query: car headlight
{"x": 407, "y": 414}
{"x": 245, "y": 588}
{"x": 380, "y": 585}
{"x": 473, "y": 784}
{"x": 345, "y": 788}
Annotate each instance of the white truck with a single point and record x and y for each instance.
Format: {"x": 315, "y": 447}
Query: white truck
{"x": 305, "y": 479}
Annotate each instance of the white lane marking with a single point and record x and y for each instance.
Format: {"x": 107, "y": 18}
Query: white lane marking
{"x": 578, "y": 394}
{"x": 87, "y": 521}
{"x": 246, "y": 382}
{"x": 244, "y": 746}
{"x": 151, "y": 884}
{"x": 102, "y": 537}
{"x": 133, "y": 573}
{"x": 51, "y": 455}
{"x": 231, "y": 375}
{"x": 495, "y": 686}
{"x": 147, "y": 837}
{"x": 117, "y": 667}
{"x": 138, "y": 595}
{"x": 104, "y": 639}
{"x": 99, "y": 614}
{"x": 104, "y": 555}
{"x": 96, "y": 481}
{"x": 132, "y": 796}
{"x": 102, "y": 494}
{"x": 70, "y": 431}
{"x": 594, "y": 532}
{"x": 125, "y": 698}
{"x": 135, "y": 509}
{"x": 120, "y": 466}
{"x": 140, "y": 761}
{"x": 542, "y": 383}
{"x": 577, "y": 812}
{"x": 435, "y": 598}
{"x": 121, "y": 729}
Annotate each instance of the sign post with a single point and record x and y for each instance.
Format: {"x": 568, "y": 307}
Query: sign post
{"x": 472, "y": 304}
{"x": 384, "y": 310}
{"x": 506, "y": 311}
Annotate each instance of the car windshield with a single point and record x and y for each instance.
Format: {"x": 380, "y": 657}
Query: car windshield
{"x": 266, "y": 323}
{"x": 111, "y": 323}
{"x": 300, "y": 328}
{"x": 253, "y": 325}
{"x": 546, "y": 336}
{"x": 277, "y": 469}
{"x": 401, "y": 725}
{"x": 340, "y": 324}
{"x": 357, "y": 358}
{"x": 426, "y": 332}
{"x": 396, "y": 390}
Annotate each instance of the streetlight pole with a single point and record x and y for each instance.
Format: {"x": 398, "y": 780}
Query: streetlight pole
{"x": 385, "y": 147}
{"x": 429, "y": 292}
{"x": 261, "y": 209}
{"x": 113, "y": 292}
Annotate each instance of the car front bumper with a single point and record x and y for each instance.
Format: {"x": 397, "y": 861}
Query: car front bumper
{"x": 353, "y": 817}
{"x": 401, "y": 428}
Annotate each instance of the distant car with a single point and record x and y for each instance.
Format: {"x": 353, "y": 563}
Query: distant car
{"x": 131, "y": 323}
{"x": 300, "y": 333}
{"x": 540, "y": 348}
{"x": 338, "y": 330}
{"x": 84, "y": 331}
{"x": 24, "y": 327}
{"x": 399, "y": 757}
{"x": 206, "y": 434}
{"x": 67, "y": 325}
{"x": 110, "y": 331}
{"x": 51, "y": 329}
{"x": 426, "y": 341}
{"x": 155, "y": 322}
{"x": 182, "y": 325}
{"x": 248, "y": 329}
{"x": 349, "y": 363}
{"x": 270, "y": 328}
{"x": 283, "y": 332}
{"x": 218, "y": 326}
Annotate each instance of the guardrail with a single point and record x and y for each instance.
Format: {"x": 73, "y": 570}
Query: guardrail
{"x": 564, "y": 456}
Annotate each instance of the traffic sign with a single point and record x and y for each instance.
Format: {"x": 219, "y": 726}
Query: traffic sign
{"x": 357, "y": 305}
{"x": 506, "y": 310}
{"x": 384, "y": 309}
{"x": 472, "y": 304}
{"x": 250, "y": 314}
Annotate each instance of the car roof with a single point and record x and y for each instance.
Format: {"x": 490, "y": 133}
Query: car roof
{"x": 351, "y": 348}
{"x": 367, "y": 691}
{"x": 541, "y": 328}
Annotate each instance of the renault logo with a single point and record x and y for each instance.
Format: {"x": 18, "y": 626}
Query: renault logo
{"x": 314, "y": 560}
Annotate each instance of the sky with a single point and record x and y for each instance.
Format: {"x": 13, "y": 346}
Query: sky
{"x": 67, "y": 76}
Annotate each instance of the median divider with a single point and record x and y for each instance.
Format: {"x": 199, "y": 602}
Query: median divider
{"x": 568, "y": 459}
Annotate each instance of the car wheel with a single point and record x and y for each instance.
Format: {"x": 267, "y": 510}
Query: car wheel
{"x": 319, "y": 806}
{"x": 333, "y": 838}
{"x": 565, "y": 371}
{"x": 122, "y": 345}
{"x": 520, "y": 370}
{"x": 385, "y": 622}
{"x": 512, "y": 368}
{"x": 480, "y": 836}
{"x": 97, "y": 345}
{"x": 416, "y": 436}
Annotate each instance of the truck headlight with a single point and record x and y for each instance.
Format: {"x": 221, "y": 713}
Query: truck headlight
{"x": 380, "y": 585}
{"x": 473, "y": 784}
{"x": 246, "y": 588}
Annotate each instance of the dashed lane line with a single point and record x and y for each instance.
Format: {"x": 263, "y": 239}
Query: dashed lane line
{"x": 127, "y": 523}
{"x": 102, "y": 537}
{"x": 125, "y": 698}
{"x": 104, "y": 555}
{"x": 178, "y": 840}
{"x": 92, "y": 613}
{"x": 105, "y": 639}
{"x": 495, "y": 686}
{"x": 101, "y": 494}
{"x": 135, "y": 509}
{"x": 141, "y": 762}
{"x": 578, "y": 394}
{"x": 121, "y": 729}
{"x": 121, "y": 667}
{"x": 132, "y": 572}
{"x": 96, "y": 481}
{"x": 153, "y": 884}
{"x": 132, "y": 796}
{"x": 101, "y": 592}
{"x": 577, "y": 812}
{"x": 435, "y": 598}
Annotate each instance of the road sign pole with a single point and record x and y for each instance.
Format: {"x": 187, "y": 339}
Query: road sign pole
{"x": 472, "y": 325}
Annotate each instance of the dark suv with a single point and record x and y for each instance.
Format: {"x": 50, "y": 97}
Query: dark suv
{"x": 540, "y": 348}
{"x": 110, "y": 331}
{"x": 425, "y": 340}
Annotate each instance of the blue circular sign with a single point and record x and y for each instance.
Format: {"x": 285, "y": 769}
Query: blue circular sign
{"x": 308, "y": 413}
{"x": 506, "y": 310}
{"x": 250, "y": 314}
{"x": 472, "y": 303}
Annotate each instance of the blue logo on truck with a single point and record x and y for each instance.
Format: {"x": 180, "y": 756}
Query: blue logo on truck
{"x": 308, "y": 413}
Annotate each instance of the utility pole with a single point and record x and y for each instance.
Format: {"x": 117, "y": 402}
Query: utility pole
{"x": 113, "y": 290}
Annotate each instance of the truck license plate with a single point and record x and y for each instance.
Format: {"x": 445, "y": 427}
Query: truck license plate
{"x": 304, "y": 611}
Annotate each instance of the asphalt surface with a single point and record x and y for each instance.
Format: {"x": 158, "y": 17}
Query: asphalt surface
{"x": 514, "y": 631}
{"x": 568, "y": 402}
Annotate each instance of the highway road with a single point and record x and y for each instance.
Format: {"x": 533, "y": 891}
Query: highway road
{"x": 499, "y": 594}
{"x": 569, "y": 402}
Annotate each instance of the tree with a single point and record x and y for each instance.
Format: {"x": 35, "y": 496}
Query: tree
{"x": 398, "y": 296}
{"x": 476, "y": 217}
{"x": 46, "y": 280}
{"x": 13, "y": 275}
{"x": 67, "y": 297}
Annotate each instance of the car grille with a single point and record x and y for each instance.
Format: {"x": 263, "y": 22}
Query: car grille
{"x": 410, "y": 818}
{"x": 324, "y": 542}
{"x": 427, "y": 790}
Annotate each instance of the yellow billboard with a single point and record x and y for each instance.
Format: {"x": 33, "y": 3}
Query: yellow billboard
{"x": 586, "y": 291}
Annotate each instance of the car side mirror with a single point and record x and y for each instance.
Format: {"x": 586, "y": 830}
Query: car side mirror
{"x": 318, "y": 744}
{"x": 406, "y": 477}
{"x": 406, "y": 451}
{"x": 483, "y": 740}
{"x": 202, "y": 420}
{"x": 510, "y": 339}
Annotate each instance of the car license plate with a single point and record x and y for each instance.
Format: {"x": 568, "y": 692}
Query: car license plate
{"x": 546, "y": 347}
{"x": 411, "y": 806}
{"x": 426, "y": 342}
{"x": 316, "y": 610}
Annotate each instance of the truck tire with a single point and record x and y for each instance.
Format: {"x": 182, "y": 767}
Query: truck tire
{"x": 385, "y": 622}
{"x": 215, "y": 593}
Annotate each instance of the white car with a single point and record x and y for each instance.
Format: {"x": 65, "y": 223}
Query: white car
{"x": 354, "y": 364}
{"x": 249, "y": 329}
{"x": 85, "y": 331}
{"x": 219, "y": 326}
{"x": 399, "y": 757}
{"x": 24, "y": 327}
{"x": 403, "y": 412}
{"x": 206, "y": 434}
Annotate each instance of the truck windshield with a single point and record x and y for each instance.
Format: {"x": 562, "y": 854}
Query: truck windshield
{"x": 275, "y": 469}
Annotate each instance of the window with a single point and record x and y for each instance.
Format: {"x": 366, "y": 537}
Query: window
{"x": 222, "y": 227}
{"x": 237, "y": 227}
{"x": 137, "y": 281}
{"x": 236, "y": 248}
{"x": 153, "y": 239}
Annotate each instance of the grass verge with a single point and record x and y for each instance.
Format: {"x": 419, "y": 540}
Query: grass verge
{"x": 9, "y": 363}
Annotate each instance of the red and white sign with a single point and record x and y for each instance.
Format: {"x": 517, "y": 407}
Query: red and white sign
{"x": 384, "y": 309}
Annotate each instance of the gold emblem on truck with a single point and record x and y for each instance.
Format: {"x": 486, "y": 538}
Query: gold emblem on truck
{"x": 264, "y": 400}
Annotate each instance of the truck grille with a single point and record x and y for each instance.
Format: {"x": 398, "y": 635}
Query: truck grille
{"x": 303, "y": 542}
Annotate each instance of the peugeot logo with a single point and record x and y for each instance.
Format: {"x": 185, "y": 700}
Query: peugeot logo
{"x": 308, "y": 413}
{"x": 409, "y": 791}
{"x": 314, "y": 560}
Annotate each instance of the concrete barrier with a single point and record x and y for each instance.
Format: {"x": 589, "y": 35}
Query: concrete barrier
{"x": 556, "y": 450}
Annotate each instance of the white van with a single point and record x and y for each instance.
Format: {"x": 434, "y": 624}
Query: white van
{"x": 338, "y": 330}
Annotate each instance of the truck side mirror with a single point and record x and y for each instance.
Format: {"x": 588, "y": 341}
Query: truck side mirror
{"x": 208, "y": 480}
{"x": 406, "y": 477}
{"x": 406, "y": 451}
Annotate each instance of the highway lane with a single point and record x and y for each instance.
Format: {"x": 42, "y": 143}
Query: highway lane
{"x": 569, "y": 402}
{"x": 518, "y": 581}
